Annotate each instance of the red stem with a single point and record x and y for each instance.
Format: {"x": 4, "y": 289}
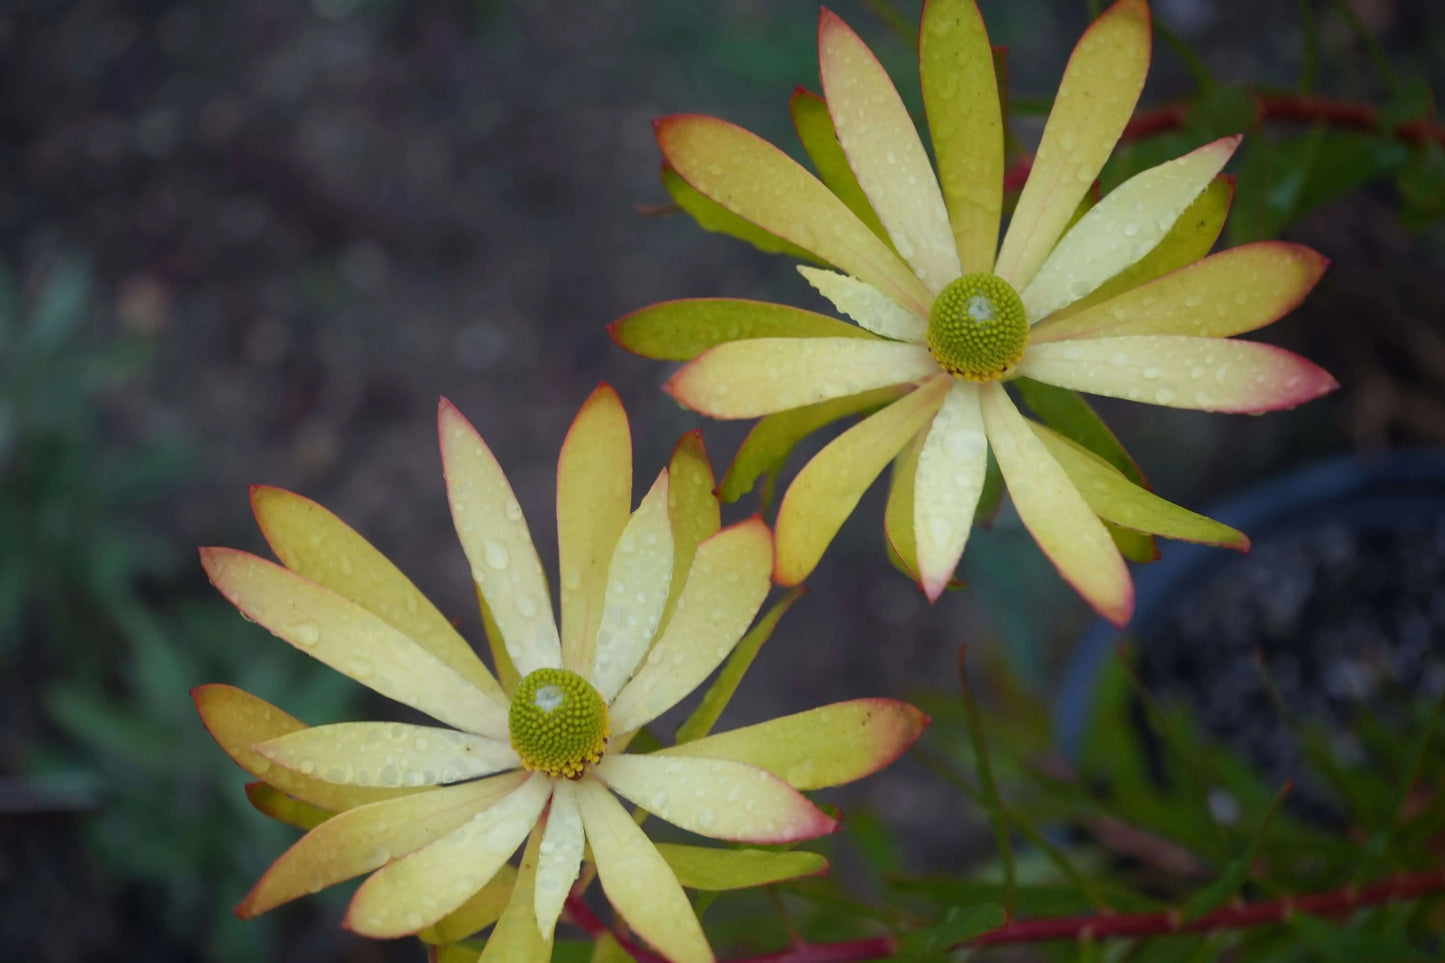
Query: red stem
{"x": 1298, "y": 108}
{"x": 1241, "y": 916}
{"x": 1100, "y": 926}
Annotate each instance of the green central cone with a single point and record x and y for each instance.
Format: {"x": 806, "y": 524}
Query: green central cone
{"x": 558, "y": 723}
{"x": 977, "y": 328}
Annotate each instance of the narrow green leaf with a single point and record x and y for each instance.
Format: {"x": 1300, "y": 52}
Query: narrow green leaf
{"x": 712, "y": 216}
{"x": 992, "y": 495}
{"x": 692, "y": 509}
{"x": 1236, "y": 872}
{"x": 992, "y": 801}
{"x": 815, "y": 130}
{"x": 1070, "y": 415}
{"x": 608, "y": 950}
{"x": 682, "y": 330}
{"x": 959, "y": 925}
{"x": 1310, "y": 47}
{"x": 1135, "y": 546}
{"x": 270, "y": 801}
{"x": 773, "y": 438}
{"x": 507, "y": 673}
{"x": 712, "y": 869}
{"x": 459, "y": 952}
{"x": 899, "y": 535}
{"x": 1034, "y": 899}
{"x": 716, "y": 699}
{"x": 1342, "y": 944}
{"x": 1116, "y": 499}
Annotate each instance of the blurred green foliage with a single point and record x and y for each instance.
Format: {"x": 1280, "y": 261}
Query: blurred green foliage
{"x": 105, "y": 626}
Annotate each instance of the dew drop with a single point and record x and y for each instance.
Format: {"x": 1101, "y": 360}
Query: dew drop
{"x": 305, "y": 633}
{"x": 496, "y": 554}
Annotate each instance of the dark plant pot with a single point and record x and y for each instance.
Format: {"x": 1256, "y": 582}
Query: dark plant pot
{"x": 1342, "y": 597}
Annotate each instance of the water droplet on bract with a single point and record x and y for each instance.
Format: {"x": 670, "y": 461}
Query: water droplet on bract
{"x": 514, "y": 511}
{"x": 305, "y": 633}
{"x": 307, "y": 766}
{"x": 706, "y": 818}
{"x": 627, "y": 544}
{"x": 496, "y": 554}
{"x": 1164, "y": 396}
{"x": 359, "y": 668}
{"x": 1151, "y": 372}
{"x": 526, "y": 605}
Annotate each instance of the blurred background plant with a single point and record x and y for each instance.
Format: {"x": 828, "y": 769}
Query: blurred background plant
{"x": 302, "y": 222}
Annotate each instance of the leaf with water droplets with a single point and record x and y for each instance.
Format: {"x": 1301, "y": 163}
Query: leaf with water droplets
{"x": 692, "y": 509}
{"x": 368, "y": 837}
{"x": 1069, "y": 414}
{"x": 714, "y": 217}
{"x": 961, "y": 97}
{"x": 948, "y": 481}
{"x": 1191, "y": 238}
{"x": 772, "y": 440}
{"x": 1054, "y": 512}
{"x": 388, "y": 754}
{"x": 1116, "y": 499}
{"x": 681, "y": 330}
{"x": 636, "y": 591}
{"x": 757, "y": 181}
{"x": 822, "y": 747}
{"x": 559, "y": 856}
{"x": 238, "y": 720}
{"x": 1122, "y": 228}
{"x": 727, "y": 583}
{"x": 1097, "y": 95}
{"x": 720, "y": 693}
{"x": 482, "y": 504}
{"x": 352, "y": 640}
{"x": 719, "y": 798}
{"x": 1210, "y": 374}
{"x": 815, "y": 130}
{"x": 424, "y": 886}
{"x": 867, "y": 305}
{"x": 476, "y": 914}
{"x": 1229, "y": 293}
{"x": 313, "y": 542}
{"x": 828, "y": 488}
{"x": 746, "y": 379}
{"x": 713, "y": 870}
{"x": 594, "y": 497}
{"x": 637, "y": 881}
{"x": 517, "y": 935}
{"x": 270, "y": 801}
{"x": 884, "y": 151}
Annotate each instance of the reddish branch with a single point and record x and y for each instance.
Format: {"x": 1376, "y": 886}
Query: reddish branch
{"x": 1242, "y": 916}
{"x": 1098, "y": 926}
{"x": 1289, "y": 108}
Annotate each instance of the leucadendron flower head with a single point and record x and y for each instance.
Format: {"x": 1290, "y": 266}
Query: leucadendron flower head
{"x": 1120, "y": 302}
{"x": 652, "y": 601}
